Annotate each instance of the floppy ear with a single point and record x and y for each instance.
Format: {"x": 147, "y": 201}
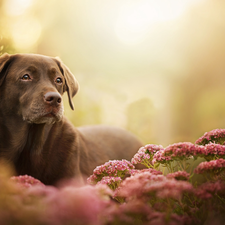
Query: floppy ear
{"x": 4, "y": 61}
{"x": 71, "y": 85}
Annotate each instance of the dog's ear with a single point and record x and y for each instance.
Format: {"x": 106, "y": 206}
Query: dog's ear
{"x": 71, "y": 85}
{"x": 4, "y": 62}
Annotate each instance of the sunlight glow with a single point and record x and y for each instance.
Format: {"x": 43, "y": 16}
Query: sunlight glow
{"x": 136, "y": 18}
{"x": 17, "y": 7}
{"x": 26, "y": 32}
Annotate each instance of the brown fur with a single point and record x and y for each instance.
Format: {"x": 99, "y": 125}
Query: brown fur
{"x": 35, "y": 137}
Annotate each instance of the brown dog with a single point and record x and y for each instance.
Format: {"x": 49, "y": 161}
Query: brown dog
{"x": 35, "y": 136}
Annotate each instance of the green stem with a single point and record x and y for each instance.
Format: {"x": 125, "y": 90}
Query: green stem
{"x": 180, "y": 165}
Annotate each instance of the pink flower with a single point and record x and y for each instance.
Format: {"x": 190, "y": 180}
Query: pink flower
{"x": 72, "y": 205}
{"x": 134, "y": 212}
{"x": 104, "y": 191}
{"x": 112, "y": 182}
{"x": 26, "y": 181}
{"x": 144, "y": 185}
{"x": 93, "y": 179}
{"x": 133, "y": 186}
{"x": 109, "y": 180}
{"x": 145, "y": 154}
{"x": 179, "y": 175}
{"x": 183, "y": 150}
{"x": 114, "y": 168}
{"x": 160, "y": 157}
{"x": 214, "y": 150}
{"x": 178, "y": 151}
{"x": 41, "y": 192}
{"x": 213, "y": 165}
{"x": 207, "y": 190}
{"x": 168, "y": 188}
{"x": 150, "y": 170}
{"x": 215, "y": 136}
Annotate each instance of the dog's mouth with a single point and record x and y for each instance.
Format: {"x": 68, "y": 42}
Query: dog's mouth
{"x": 44, "y": 115}
{"x": 51, "y": 116}
{"x": 51, "y": 113}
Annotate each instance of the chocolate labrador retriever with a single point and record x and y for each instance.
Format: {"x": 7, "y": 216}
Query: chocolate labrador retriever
{"x": 35, "y": 137}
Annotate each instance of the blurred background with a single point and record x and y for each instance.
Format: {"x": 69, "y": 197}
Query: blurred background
{"x": 154, "y": 67}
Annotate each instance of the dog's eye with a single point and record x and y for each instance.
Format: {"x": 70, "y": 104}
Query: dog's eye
{"x": 26, "y": 77}
{"x": 58, "y": 80}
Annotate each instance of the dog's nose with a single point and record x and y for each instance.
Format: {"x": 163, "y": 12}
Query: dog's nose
{"x": 53, "y": 98}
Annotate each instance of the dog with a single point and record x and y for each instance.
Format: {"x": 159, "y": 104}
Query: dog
{"x": 35, "y": 136}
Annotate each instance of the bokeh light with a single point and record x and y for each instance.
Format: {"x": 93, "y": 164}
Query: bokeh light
{"x": 136, "y": 18}
{"x": 25, "y": 32}
{"x": 16, "y": 7}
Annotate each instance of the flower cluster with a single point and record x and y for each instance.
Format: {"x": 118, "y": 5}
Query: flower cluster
{"x": 214, "y": 151}
{"x": 47, "y": 205}
{"x": 172, "y": 195}
{"x": 179, "y": 151}
{"x": 112, "y": 182}
{"x": 155, "y": 190}
{"x": 183, "y": 150}
{"x": 209, "y": 189}
{"x": 150, "y": 170}
{"x": 145, "y": 155}
{"x": 215, "y": 165}
{"x": 134, "y": 185}
{"x": 75, "y": 205}
{"x": 128, "y": 213}
{"x": 179, "y": 175}
{"x": 168, "y": 188}
{"x": 114, "y": 168}
{"x": 175, "y": 156}
{"x": 120, "y": 194}
{"x": 160, "y": 157}
{"x": 26, "y": 181}
{"x": 214, "y": 136}
{"x": 138, "y": 213}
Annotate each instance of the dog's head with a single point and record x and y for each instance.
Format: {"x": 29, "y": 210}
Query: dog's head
{"x": 31, "y": 86}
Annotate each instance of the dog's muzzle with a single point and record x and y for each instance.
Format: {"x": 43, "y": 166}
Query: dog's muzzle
{"x": 49, "y": 110}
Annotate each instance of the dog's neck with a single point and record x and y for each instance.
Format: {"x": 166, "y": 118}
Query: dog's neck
{"x": 31, "y": 143}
